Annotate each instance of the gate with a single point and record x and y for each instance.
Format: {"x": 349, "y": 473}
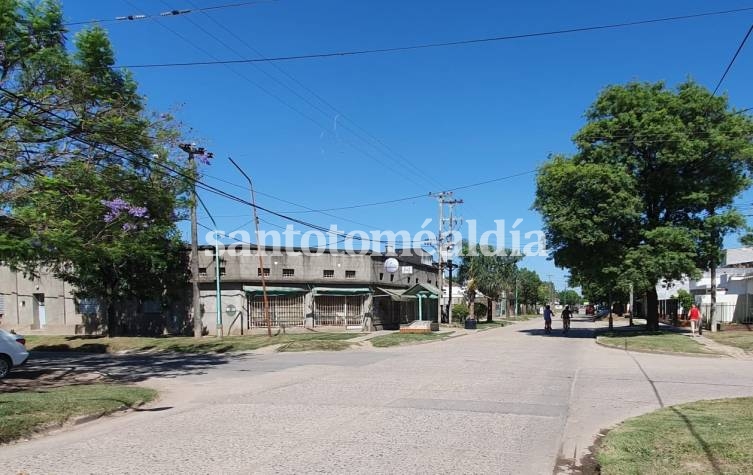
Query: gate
{"x": 338, "y": 310}
{"x": 287, "y": 310}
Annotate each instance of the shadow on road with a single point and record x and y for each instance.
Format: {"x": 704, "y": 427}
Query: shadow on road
{"x": 45, "y": 370}
{"x": 575, "y": 332}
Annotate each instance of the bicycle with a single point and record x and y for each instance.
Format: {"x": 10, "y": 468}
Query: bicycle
{"x": 565, "y": 324}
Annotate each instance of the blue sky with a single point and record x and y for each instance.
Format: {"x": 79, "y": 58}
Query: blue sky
{"x": 460, "y": 115}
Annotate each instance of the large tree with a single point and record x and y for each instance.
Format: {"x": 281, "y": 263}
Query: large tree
{"x": 490, "y": 271}
{"x": 570, "y": 297}
{"x": 648, "y": 195}
{"x": 83, "y": 184}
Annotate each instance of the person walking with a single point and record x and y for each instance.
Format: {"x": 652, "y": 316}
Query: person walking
{"x": 695, "y": 319}
{"x": 548, "y": 319}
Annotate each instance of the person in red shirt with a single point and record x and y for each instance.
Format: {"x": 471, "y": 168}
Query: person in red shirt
{"x": 695, "y": 319}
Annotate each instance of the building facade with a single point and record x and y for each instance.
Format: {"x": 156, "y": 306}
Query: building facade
{"x": 37, "y": 303}
{"x": 326, "y": 289}
{"x": 329, "y": 288}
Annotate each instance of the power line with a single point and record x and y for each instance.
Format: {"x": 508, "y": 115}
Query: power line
{"x": 275, "y": 96}
{"x": 198, "y": 183}
{"x": 321, "y": 99}
{"x": 424, "y": 195}
{"x": 396, "y": 49}
{"x": 732, "y": 61}
{"x": 172, "y": 12}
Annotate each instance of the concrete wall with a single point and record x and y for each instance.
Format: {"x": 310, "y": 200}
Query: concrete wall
{"x": 37, "y": 303}
{"x": 309, "y": 269}
{"x": 308, "y": 272}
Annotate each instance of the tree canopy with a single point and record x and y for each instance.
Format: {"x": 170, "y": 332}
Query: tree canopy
{"x": 491, "y": 273}
{"x": 569, "y": 297}
{"x": 84, "y": 185}
{"x": 648, "y": 195}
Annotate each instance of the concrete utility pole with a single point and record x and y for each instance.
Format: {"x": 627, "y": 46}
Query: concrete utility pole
{"x": 192, "y": 150}
{"x": 446, "y": 226}
{"x": 258, "y": 249}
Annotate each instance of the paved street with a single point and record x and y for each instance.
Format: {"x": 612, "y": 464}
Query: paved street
{"x": 510, "y": 400}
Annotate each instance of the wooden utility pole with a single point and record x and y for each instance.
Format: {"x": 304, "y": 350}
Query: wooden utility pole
{"x": 198, "y": 327}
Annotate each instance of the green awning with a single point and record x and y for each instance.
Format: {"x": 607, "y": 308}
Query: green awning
{"x": 341, "y": 290}
{"x": 254, "y": 290}
{"x": 426, "y": 290}
{"x": 396, "y": 294}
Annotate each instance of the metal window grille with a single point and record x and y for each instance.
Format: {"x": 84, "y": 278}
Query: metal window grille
{"x": 350, "y": 274}
{"x": 283, "y": 310}
{"x": 338, "y": 310}
{"x": 328, "y": 274}
{"x": 288, "y": 272}
{"x": 266, "y": 272}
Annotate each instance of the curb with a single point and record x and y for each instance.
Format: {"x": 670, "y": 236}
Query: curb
{"x": 660, "y": 352}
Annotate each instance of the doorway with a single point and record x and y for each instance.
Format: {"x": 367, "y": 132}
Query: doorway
{"x": 40, "y": 315}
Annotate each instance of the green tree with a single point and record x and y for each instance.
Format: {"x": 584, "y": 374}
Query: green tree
{"x": 570, "y": 297}
{"x": 686, "y": 299}
{"x": 635, "y": 203}
{"x": 493, "y": 273}
{"x": 81, "y": 195}
{"x": 530, "y": 289}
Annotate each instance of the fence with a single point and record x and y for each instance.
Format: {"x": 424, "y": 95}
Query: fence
{"x": 283, "y": 310}
{"x": 725, "y": 312}
{"x": 740, "y": 312}
{"x": 338, "y": 310}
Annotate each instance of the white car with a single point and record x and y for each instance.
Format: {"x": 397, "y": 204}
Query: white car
{"x": 12, "y": 352}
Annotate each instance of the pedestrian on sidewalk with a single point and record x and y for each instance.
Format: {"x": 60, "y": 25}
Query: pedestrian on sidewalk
{"x": 695, "y": 319}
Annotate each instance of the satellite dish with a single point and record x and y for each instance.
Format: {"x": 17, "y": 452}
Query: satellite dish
{"x": 391, "y": 265}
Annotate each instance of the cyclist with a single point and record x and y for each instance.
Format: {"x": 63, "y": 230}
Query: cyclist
{"x": 566, "y": 314}
{"x": 548, "y": 319}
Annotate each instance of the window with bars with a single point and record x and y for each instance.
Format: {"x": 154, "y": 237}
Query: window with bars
{"x": 328, "y": 273}
{"x": 288, "y": 310}
{"x": 288, "y": 272}
{"x": 266, "y": 271}
{"x": 202, "y": 271}
{"x": 350, "y": 274}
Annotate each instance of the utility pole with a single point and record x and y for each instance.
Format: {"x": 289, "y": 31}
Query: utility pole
{"x": 446, "y": 226}
{"x": 259, "y": 253}
{"x": 192, "y": 150}
{"x": 632, "y": 302}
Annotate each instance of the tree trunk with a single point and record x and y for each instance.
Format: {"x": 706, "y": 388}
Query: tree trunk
{"x": 489, "y": 310}
{"x": 652, "y": 315}
{"x": 111, "y": 318}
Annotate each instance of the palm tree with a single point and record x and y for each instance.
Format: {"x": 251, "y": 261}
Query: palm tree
{"x": 492, "y": 274}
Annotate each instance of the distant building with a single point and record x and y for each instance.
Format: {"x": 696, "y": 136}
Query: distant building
{"x": 323, "y": 290}
{"x": 734, "y": 296}
{"x": 327, "y": 289}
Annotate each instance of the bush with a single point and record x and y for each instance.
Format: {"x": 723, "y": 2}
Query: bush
{"x": 479, "y": 310}
{"x": 459, "y": 312}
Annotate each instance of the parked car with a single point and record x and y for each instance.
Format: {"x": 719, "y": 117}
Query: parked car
{"x": 601, "y": 313}
{"x": 590, "y": 310}
{"x": 12, "y": 352}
